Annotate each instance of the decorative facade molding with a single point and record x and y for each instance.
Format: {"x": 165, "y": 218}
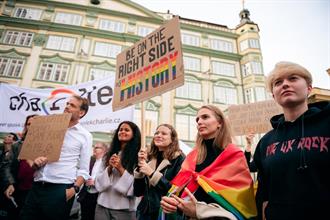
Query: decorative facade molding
{"x": 56, "y": 58}
{"x": 13, "y": 53}
{"x": 49, "y": 13}
{"x": 39, "y": 40}
{"x": 9, "y": 8}
{"x": 91, "y": 19}
{"x": 186, "y": 110}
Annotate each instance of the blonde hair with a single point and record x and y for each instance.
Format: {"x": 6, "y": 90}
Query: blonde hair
{"x": 223, "y": 136}
{"x": 284, "y": 68}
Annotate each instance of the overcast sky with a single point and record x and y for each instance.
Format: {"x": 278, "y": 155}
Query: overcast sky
{"x": 292, "y": 30}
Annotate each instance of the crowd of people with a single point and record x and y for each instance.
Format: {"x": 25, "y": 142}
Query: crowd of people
{"x": 128, "y": 181}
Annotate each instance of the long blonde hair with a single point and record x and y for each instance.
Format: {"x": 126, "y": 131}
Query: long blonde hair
{"x": 223, "y": 136}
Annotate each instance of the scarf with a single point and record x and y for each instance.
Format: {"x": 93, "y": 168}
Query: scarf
{"x": 227, "y": 180}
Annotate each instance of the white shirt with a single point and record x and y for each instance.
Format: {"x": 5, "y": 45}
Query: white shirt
{"x": 74, "y": 158}
{"x": 97, "y": 169}
{"x": 116, "y": 191}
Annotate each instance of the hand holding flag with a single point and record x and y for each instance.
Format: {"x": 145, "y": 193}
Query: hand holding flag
{"x": 188, "y": 207}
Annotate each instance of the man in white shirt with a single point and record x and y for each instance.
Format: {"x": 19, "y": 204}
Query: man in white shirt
{"x": 56, "y": 183}
{"x": 88, "y": 194}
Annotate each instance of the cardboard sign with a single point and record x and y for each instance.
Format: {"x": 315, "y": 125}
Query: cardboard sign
{"x": 150, "y": 67}
{"x": 45, "y": 137}
{"x": 254, "y": 117}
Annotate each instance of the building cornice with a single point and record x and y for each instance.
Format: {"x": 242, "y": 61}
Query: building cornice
{"x": 58, "y": 56}
{"x": 211, "y": 53}
{"x": 72, "y": 29}
{"x": 190, "y": 108}
{"x": 141, "y": 8}
{"x": 102, "y": 63}
{"x": 154, "y": 18}
{"x": 13, "y": 51}
{"x": 206, "y": 30}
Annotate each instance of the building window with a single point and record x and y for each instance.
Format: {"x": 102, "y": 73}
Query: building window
{"x": 107, "y": 49}
{"x": 144, "y": 31}
{"x": 222, "y": 68}
{"x": 190, "y": 39}
{"x": 222, "y": 45}
{"x": 249, "y": 43}
{"x": 192, "y": 63}
{"x": 151, "y": 117}
{"x": 253, "y": 67}
{"x": 246, "y": 70}
{"x": 84, "y": 46}
{"x": 68, "y": 18}
{"x": 100, "y": 73}
{"x": 249, "y": 97}
{"x": 151, "y": 121}
{"x": 79, "y": 73}
{"x": 61, "y": 43}
{"x": 244, "y": 45}
{"x": 185, "y": 125}
{"x": 256, "y": 67}
{"x": 254, "y": 43}
{"x": 225, "y": 94}
{"x": 192, "y": 89}
{"x": 18, "y": 38}
{"x": 11, "y": 67}
{"x": 114, "y": 26}
{"x": 53, "y": 72}
{"x": 28, "y": 13}
{"x": 260, "y": 94}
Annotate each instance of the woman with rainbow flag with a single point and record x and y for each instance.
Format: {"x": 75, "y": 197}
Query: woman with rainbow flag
{"x": 215, "y": 175}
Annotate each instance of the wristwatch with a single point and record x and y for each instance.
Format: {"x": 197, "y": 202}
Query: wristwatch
{"x": 76, "y": 188}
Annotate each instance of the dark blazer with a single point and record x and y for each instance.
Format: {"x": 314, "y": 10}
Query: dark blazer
{"x": 154, "y": 187}
{"x": 82, "y": 193}
{"x": 9, "y": 165}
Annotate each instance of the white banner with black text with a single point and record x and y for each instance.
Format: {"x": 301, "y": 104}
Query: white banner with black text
{"x": 16, "y": 103}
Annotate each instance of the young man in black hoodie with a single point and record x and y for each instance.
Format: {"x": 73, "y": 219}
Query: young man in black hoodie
{"x": 293, "y": 159}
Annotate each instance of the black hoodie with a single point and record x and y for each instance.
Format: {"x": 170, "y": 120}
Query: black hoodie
{"x": 293, "y": 162}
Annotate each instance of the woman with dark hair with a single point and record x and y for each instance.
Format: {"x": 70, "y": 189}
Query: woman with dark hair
{"x": 115, "y": 184}
{"x": 17, "y": 174}
{"x": 214, "y": 175}
{"x": 152, "y": 179}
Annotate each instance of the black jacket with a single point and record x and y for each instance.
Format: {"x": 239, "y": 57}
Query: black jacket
{"x": 9, "y": 166}
{"x": 152, "y": 189}
{"x": 251, "y": 164}
{"x": 293, "y": 162}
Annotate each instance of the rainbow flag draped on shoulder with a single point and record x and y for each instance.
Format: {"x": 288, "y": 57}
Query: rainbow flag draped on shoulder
{"x": 227, "y": 180}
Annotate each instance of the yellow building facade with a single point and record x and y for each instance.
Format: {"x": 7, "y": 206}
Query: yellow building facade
{"x": 318, "y": 95}
{"x": 50, "y": 44}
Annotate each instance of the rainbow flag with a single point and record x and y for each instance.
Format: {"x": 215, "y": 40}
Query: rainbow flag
{"x": 227, "y": 180}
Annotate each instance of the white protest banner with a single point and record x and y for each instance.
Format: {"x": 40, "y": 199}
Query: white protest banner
{"x": 17, "y": 103}
{"x": 150, "y": 67}
{"x": 253, "y": 117}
